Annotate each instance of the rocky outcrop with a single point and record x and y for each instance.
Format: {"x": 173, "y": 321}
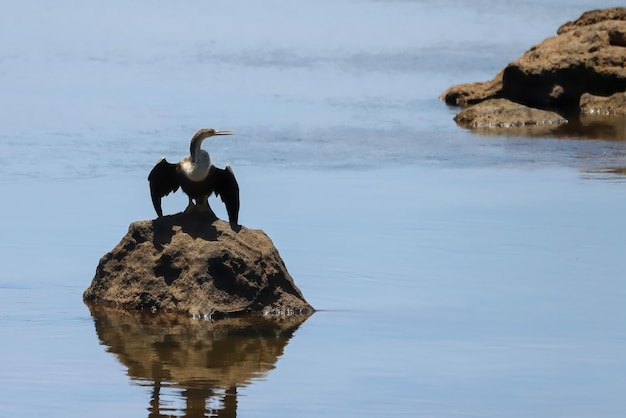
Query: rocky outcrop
{"x": 471, "y": 93}
{"x": 587, "y": 56}
{"x": 502, "y": 113}
{"x": 597, "y": 105}
{"x": 196, "y": 265}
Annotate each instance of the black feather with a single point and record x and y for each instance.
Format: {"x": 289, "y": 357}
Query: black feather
{"x": 163, "y": 180}
{"x": 224, "y": 184}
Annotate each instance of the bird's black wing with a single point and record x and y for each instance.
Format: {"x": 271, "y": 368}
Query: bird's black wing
{"x": 163, "y": 180}
{"x": 224, "y": 184}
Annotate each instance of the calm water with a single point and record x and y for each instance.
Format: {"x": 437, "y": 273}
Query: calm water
{"x": 456, "y": 274}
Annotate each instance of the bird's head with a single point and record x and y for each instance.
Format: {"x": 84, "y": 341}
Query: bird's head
{"x": 203, "y": 134}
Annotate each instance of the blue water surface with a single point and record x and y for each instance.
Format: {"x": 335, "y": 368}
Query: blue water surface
{"x": 455, "y": 274}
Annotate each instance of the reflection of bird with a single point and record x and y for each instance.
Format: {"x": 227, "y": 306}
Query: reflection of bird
{"x": 197, "y": 177}
{"x": 197, "y": 366}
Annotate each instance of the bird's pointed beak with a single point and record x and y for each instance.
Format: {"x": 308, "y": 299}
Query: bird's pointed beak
{"x": 224, "y": 132}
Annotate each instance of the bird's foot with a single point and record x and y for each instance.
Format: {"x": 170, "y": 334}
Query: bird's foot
{"x": 204, "y": 209}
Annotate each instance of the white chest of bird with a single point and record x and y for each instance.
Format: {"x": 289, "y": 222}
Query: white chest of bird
{"x": 198, "y": 169}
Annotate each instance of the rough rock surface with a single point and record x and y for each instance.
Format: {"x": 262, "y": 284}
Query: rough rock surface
{"x": 502, "y": 113}
{"x": 598, "y": 105}
{"x": 195, "y": 265}
{"x": 587, "y": 56}
{"x": 581, "y": 59}
{"x": 471, "y": 93}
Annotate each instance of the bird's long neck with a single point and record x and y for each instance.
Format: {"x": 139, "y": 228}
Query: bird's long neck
{"x": 199, "y": 156}
{"x": 195, "y": 149}
{"x": 196, "y": 166}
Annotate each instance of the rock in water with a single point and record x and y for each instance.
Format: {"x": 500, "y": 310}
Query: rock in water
{"x": 597, "y": 105}
{"x": 502, "y": 113}
{"x": 196, "y": 265}
{"x": 586, "y": 57}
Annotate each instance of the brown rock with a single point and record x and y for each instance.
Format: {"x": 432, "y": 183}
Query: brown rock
{"x": 594, "y": 16}
{"x": 583, "y": 59}
{"x": 195, "y": 265}
{"x": 502, "y": 113}
{"x": 471, "y": 93}
{"x": 587, "y": 56}
{"x": 598, "y": 105}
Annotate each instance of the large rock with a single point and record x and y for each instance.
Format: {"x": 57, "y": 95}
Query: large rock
{"x": 587, "y": 56}
{"x": 196, "y": 265}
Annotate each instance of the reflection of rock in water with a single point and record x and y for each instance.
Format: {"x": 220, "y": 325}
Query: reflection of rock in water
{"x": 207, "y": 360}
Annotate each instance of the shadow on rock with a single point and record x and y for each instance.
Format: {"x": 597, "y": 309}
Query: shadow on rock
{"x": 200, "y": 225}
